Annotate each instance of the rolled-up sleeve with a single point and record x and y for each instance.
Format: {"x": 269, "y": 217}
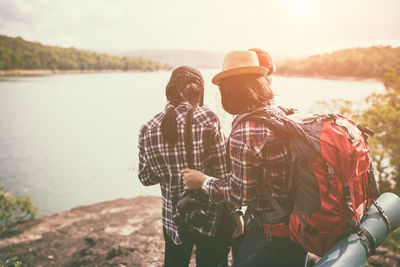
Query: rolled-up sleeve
{"x": 241, "y": 186}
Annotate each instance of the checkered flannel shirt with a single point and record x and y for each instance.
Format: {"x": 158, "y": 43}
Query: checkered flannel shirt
{"x": 161, "y": 163}
{"x": 259, "y": 159}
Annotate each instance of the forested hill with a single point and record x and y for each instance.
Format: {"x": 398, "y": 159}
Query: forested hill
{"x": 16, "y": 53}
{"x": 175, "y": 58}
{"x": 370, "y": 62}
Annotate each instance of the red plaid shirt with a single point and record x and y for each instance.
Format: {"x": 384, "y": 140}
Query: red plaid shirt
{"x": 259, "y": 160}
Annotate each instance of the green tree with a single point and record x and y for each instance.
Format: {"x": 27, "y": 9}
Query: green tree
{"x": 15, "y": 208}
{"x": 370, "y": 62}
{"x": 16, "y": 53}
{"x": 383, "y": 116}
{"x": 14, "y": 262}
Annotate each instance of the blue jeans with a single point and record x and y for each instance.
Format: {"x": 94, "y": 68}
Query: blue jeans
{"x": 257, "y": 249}
{"x": 210, "y": 251}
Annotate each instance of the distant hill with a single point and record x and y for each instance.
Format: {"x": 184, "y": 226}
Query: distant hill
{"x": 175, "y": 58}
{"x": 198, "y": 59}
{"x": 370, "y": 62}
{"x": 16, "y": 53}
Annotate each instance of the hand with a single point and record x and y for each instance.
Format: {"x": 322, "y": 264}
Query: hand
{"x": 193, "y": 179}
{"x": 239, "y": 226}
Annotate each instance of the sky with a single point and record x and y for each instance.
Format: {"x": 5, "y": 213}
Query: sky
{"x": 283, "y": 27}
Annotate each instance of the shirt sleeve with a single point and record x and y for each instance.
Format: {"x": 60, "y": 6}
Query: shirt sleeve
{"x": 217, "y": 151}
{"x": 240, "y": 188}
{"x": 146, "y": 175}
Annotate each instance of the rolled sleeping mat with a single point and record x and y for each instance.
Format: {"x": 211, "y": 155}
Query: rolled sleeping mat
{"x": 353, "y": 251}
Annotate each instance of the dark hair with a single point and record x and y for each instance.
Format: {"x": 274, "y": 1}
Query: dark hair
{"x": 186, "y": 84}
{"x": 243, "y": 91}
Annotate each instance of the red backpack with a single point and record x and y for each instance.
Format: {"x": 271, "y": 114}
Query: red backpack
{"x": 332, "y": 181}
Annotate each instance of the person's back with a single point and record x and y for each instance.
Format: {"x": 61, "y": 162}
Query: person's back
{"x": 162, "y": 156}
{"x": 260, "y": 166}
{"x": 165, "y": 160}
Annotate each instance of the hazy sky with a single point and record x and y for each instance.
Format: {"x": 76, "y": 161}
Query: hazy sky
{"x": 284, "y": 27}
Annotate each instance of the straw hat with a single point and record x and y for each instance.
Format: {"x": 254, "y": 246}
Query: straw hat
{"x": 239, "y": 63}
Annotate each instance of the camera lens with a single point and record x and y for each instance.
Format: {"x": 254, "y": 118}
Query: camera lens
{"x": 198, "y": 218}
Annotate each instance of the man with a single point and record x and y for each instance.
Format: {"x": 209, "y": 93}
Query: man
{"x": 162, "y": 155}
{"x": 260, "y": 165}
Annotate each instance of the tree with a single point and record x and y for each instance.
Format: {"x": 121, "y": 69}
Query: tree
{"x": 383, "y": 116}
{"x": 15, "y": 208}
{"x": 371, "y": 62}
{"x": 16, "y": 53}
{"x": 11, "y": 262}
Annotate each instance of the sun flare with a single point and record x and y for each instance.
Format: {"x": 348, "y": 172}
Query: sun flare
{"x": 299, "y": 7}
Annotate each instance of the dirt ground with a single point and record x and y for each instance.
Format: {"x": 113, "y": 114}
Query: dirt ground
{"x": 122, "y": 232}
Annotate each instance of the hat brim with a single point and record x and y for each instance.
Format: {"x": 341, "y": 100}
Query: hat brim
{"x": 239, "y": 71}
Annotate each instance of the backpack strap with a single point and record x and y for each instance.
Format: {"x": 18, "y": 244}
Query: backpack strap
{"x": 257, "y": 114}
{"x": 260, "y": 115}
{"x": 240, "y": 118}
{"x": 383, "y": 215}
{"x": 277, "y": 207}
{"x": 367, "y": 240}
{"x": 287, "y": 111}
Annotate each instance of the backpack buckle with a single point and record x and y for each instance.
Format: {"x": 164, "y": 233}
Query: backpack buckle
{"x": 268, "y": 234}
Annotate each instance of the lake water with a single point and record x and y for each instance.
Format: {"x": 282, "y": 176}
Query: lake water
{"x": 70, "y": 140}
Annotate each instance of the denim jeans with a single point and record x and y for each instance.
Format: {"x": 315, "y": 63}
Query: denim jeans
{"x": 258, "y": 249}
{"x": 210, "y": 251}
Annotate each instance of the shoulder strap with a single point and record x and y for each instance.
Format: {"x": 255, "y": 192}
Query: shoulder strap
{"x": 240, "y": 118}
{"x": 259, "y": 113}
{"x": 284, "y": 125}
{"x": 189, "y": 138}
{"x": 264, "y": 117}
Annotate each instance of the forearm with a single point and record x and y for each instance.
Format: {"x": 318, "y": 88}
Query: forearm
{"x": 220, "y": 190}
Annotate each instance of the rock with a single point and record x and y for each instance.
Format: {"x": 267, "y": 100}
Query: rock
{"x": 79, "y": 237}
{"x": 122, "y": 232}
{"x": 381, "y": 251}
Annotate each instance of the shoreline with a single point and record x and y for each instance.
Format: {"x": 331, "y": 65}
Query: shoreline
{"x": 39, "y": 72}
{"x": 330, "y": 77}
{"x": 23, "y": 72}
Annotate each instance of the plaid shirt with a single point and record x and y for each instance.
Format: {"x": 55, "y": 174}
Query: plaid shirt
{"x": 161, "y": 163}
{"x": 259, "y": 159}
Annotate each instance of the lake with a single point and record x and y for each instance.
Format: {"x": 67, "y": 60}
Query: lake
{"x": 70, "y": 140}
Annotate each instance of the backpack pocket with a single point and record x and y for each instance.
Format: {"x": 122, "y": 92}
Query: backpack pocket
{"x": 317, "y": 240}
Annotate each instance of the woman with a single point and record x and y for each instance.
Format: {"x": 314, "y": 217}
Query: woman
{"x": 260, "y": 165}
{"x": 162, "y": 154}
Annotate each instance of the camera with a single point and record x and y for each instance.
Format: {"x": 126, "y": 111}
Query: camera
{"x": 192, "y": 208}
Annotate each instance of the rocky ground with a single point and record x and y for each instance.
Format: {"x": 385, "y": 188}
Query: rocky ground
{"x": 123, "y": 232}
